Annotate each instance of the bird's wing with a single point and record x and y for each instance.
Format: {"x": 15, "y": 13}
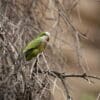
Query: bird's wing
{"x": 33, "y": 44}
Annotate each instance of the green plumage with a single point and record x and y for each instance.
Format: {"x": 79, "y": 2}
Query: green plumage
{"x": 41, "y": 34}
{"x": 34, "y": 48}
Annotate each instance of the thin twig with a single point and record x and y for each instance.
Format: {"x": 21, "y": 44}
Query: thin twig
{"x": 66, "y": 89}
{"x": 65, "y": 75}
{"x": 98, "y": 97}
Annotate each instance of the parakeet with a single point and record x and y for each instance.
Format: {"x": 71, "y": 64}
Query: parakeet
{"x": 36, "y": 46}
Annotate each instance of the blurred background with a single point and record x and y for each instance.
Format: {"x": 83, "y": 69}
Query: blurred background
{"x": 74, "y": 46}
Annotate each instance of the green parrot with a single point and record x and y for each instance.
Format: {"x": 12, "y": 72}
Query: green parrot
{"x": 36, "y": 46}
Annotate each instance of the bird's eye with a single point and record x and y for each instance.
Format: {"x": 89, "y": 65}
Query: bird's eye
{"x": 48, "y": 39}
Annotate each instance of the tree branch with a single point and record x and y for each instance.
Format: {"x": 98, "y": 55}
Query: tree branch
{"x": 65, "y": 75}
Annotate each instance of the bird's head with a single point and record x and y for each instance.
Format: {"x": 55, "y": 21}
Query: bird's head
{"x": 45, "y": 36}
